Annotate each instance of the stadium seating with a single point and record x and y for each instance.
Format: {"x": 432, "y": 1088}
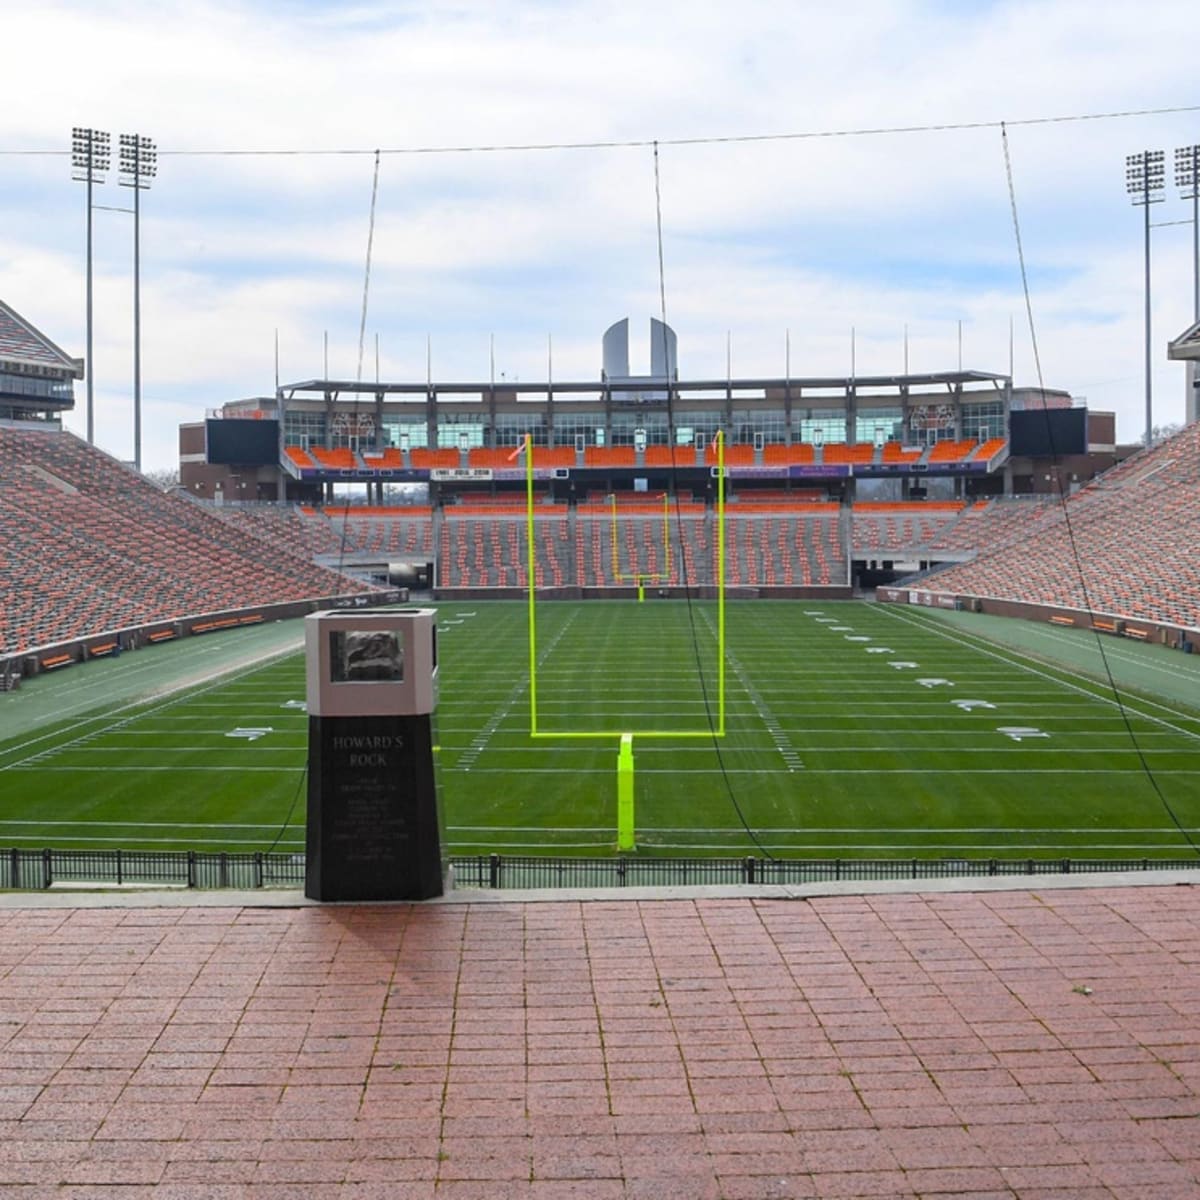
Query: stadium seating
{"x": 985, "y": 450}
{"x": 670, "y": 456}
{"x": 89, "y": 546}
{"x": 1124, "y": 545}
{"x": 429, "y": 460}
{"x": 482, "y": 550}
{"x": 895, "y": 527}
{"x": 340, "y": 459}
{"x": 609, "y": 456}
{"x": 950, "y": 450}
{"x": 553, "y": 456}
{"x": 736, "y": 455}
{"x": 780, "y": 454}
{"x": 895, "y": 452}
{"x": 301, "y": 457}
{"x": 387, "y": 459}
{"x": 485, "y": 457}
{"x": 845, "y": 452}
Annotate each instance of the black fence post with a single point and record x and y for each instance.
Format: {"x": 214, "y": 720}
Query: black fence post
{"x": 494, "y": 872}
{"x": 223, "y": 869}
{"x": 258, "y": 869}
{"x": 120, "y": 869}
{"x": 47, "y": 873}
{"x": 191, "y": 868}
{"x": 748, "y": 868}
{"x": 14, "y": 861}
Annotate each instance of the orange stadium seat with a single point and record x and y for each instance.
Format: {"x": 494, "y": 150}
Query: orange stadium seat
{"x": 609, "y": 456}
{"x": 845, "y": 452}
{"x": 425, "y": 459}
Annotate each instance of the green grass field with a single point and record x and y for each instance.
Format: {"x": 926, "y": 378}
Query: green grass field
{"x": 853, "y": 730}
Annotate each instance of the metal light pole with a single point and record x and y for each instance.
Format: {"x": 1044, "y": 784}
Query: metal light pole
{"x": 1187, "y": 175}
{"x": 138, "y": 164}
{"x": 1143, "y": 178}
{"x": 90, "y": 153}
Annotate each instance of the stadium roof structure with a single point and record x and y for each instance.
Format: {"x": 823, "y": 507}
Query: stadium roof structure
{"x": 951, "y": 381}
{"x": 1186, "y": 347}
{"x": 23, "y": 345}
{"x": 35, "y": 374}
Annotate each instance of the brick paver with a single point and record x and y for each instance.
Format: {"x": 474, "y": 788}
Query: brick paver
{"x": 1008, "y": 1044}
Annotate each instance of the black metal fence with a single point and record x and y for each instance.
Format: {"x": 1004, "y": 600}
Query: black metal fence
{"x": 41, "y": 869}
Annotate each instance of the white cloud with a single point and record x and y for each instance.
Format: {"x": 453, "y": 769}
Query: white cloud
{"x": 813, "y": 235}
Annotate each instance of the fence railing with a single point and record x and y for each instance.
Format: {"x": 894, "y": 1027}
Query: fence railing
{"x": 40, "y": 869}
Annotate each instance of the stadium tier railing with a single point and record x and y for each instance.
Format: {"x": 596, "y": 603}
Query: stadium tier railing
{"x": 42, "y": 869}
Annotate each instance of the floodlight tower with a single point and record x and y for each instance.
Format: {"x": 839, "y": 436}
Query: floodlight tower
{"x": 1143, "y": 179}
{"x": 90, "y": 154}
{"x": 138, "y": 165}
{"x": 1187, "y": 175}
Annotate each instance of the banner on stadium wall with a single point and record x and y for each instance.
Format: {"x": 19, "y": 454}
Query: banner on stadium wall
{"x": 780, "y": 472}
{"x": 519, "y": 473}
{"x": 818, "y": 471}
{"x": 450, "y": 474}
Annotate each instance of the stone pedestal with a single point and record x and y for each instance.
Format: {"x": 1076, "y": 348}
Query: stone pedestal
{"x": 374, "y": 824}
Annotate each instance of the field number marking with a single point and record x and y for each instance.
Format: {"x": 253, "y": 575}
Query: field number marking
{"x": 1019, "y": 733}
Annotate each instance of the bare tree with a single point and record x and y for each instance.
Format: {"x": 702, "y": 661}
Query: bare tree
{"x": 164, "y": 477}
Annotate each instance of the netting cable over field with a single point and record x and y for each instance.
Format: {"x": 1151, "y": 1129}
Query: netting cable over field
{"x": 1072, "y": 544}
{"x": 716, "y": 724}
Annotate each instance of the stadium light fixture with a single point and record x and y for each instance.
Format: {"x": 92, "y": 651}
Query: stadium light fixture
{"x": 1144, "y": 181}
{"x": 90, "y": 155}
{"x": 1187, "y": 179}
{"x": 138, "y": 166}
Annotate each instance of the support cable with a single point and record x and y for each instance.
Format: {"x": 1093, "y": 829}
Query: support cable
{"x": 1076, "y": 557}
{"x": 726, "y": 780}
{"x": 362, "y": 327}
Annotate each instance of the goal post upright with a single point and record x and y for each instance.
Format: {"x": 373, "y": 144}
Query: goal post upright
{"x": 532, "y": 582}
{"x": 625, "y": 737}
{"x": 720, "y": 439}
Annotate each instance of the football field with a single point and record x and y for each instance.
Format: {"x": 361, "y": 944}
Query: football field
{"x": 851, "y": 730}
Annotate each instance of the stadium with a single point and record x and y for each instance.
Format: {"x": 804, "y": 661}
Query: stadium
{"x": 796, "y": 596}
{"x": 795, "y": 794}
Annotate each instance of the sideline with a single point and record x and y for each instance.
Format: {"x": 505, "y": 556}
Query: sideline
{"x": 103, "y": 686}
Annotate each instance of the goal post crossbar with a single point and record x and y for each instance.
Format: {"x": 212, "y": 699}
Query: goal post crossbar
{"x": 711, "y": 731}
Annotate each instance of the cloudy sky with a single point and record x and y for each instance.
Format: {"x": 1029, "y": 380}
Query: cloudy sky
{"x": 267, "y": 117}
